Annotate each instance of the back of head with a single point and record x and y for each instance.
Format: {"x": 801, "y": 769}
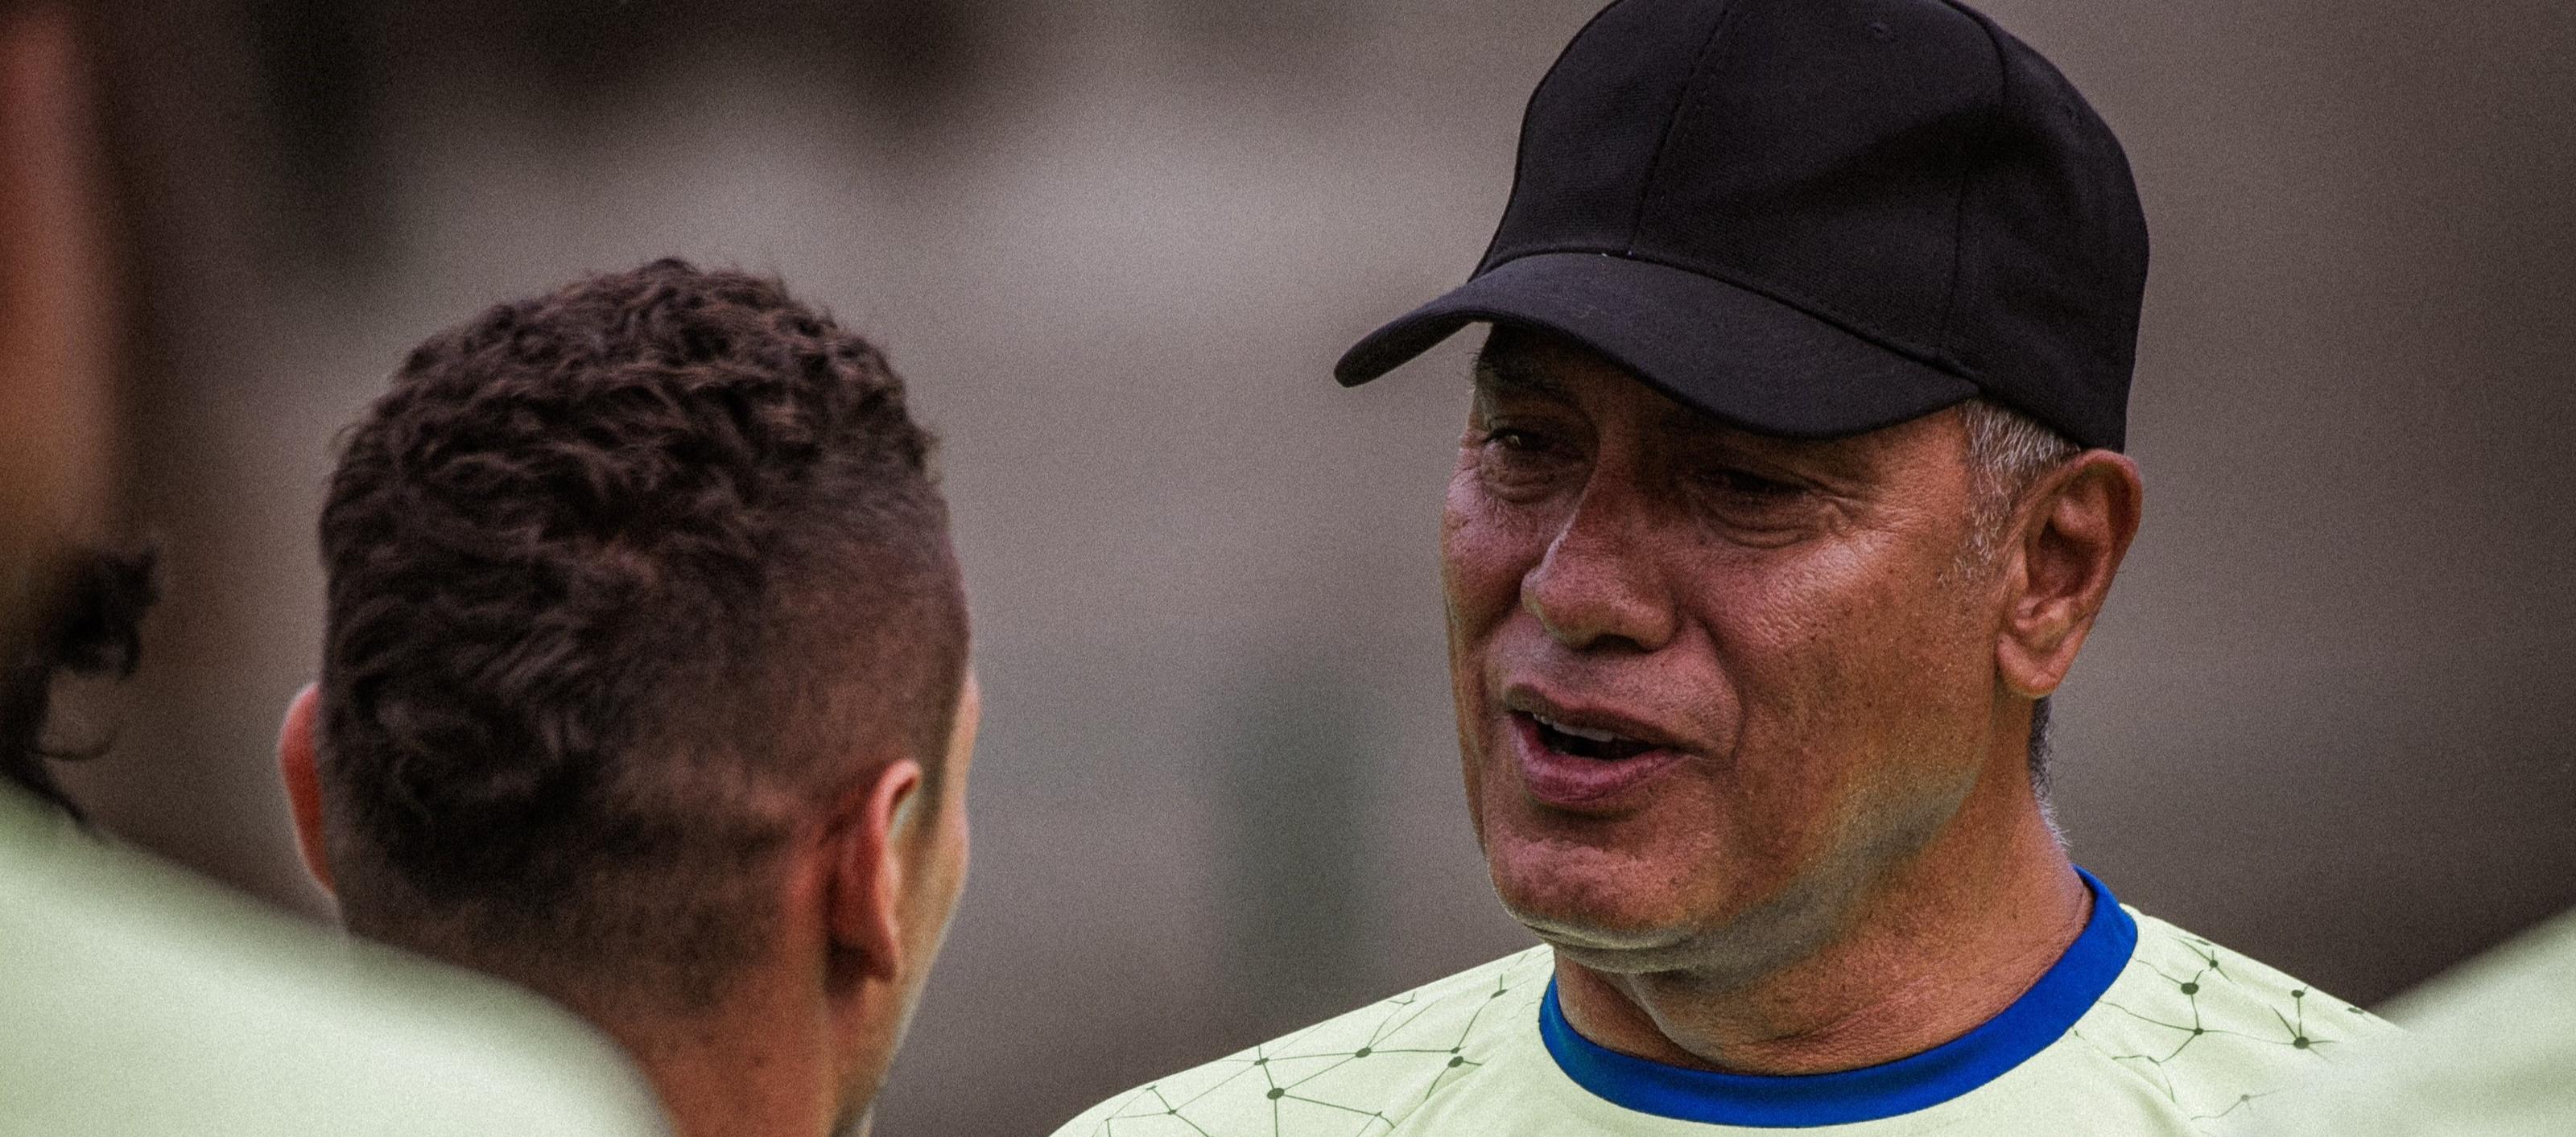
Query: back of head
{"x": 622, "y": 580}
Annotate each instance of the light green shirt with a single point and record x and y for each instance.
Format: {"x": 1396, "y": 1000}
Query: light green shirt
{"x": 2490, "y": 1051}
{"x": 2141, "y": 1029}
{"x": 139, "y": 1001}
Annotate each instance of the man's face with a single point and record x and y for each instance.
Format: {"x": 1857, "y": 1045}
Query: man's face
{"x": 942, "y": 865}
{"x": 935, "y": 875}
{"x": 1711, "y": 685}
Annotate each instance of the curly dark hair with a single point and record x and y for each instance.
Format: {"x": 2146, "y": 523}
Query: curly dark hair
{"x": 620, "y": 579}
{"x": 79, "y": 612}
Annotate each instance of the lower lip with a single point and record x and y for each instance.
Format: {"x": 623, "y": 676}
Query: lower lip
{"x": 1582, "y": 785}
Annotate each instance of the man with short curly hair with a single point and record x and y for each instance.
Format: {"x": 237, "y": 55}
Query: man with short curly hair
{"x": 645, "y": 684}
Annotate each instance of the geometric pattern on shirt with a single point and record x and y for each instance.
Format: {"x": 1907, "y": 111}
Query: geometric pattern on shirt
{"x": 2213, "y": 1031}
{"x": 1409, "y": 1047}
{"x": 2208, "y": 1030}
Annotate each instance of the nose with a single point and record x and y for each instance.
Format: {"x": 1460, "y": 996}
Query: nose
{"x": 1598, "y": 587}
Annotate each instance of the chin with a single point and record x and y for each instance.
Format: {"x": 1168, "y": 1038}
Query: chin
{"x": 1615, "y": 943}
{"x": 1585, "y": 898}
{"x": 1621, "y": 912}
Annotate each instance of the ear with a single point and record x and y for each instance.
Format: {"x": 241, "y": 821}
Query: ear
{"x": 303, "y": 784}
{"x": 868, "y": 865}
{"x": 2075, "y": 526}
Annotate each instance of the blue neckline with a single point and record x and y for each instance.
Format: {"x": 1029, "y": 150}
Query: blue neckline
{"x": 2042, "y": 1015}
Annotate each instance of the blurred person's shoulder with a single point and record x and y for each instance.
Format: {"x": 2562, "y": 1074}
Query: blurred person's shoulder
{"x": 2489, "y": 1050}
{"x": 1373, "y": 1066}
{"x": 140, "y": 999}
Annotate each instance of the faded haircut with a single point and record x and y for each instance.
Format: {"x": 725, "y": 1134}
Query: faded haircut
{"x": 624, "y": 580}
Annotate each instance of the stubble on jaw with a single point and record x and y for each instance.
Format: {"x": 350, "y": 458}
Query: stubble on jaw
{"x": 1879, "y": 835}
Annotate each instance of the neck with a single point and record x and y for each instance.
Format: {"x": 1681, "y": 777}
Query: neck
{"x": 754, "y": 1066}
{"x": 1944, "y": 943}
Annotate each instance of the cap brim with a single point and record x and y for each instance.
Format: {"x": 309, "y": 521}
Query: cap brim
{"x": 1739, "y": 355}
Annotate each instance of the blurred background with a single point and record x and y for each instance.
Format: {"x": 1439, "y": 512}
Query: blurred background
{"x": 1116, "y": 247}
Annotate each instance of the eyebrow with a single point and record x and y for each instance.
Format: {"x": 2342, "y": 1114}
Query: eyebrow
{"x": 1512, "y": 373}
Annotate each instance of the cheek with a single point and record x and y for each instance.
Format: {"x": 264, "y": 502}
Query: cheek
{"x": 947, "y": 882}
{"x": 1855, "y": 663}
{"x": 1483, "y": 556}
{"x": 1482, "y": 561}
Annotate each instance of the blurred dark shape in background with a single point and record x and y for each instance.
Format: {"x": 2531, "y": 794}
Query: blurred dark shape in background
{"x": 326, "y": 74}
{"x": 64, "y": 607}
{"x": 1303, "y": 790}
{"x": 1116, "y": 247}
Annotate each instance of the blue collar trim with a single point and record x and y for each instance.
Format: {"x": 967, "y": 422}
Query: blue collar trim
{"x": 2042, "y": 1015}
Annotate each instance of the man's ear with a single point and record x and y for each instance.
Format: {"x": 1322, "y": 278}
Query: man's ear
{"x": 303, "y": 784}
{"x": 2075, "y": 526}
{"x": 869, "y": 866}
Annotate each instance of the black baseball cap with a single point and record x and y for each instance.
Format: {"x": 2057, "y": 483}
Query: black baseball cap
{"x": 1814, "y": 218}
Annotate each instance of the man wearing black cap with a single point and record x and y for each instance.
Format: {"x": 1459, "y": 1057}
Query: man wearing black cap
{"x": 1790, "y": 489}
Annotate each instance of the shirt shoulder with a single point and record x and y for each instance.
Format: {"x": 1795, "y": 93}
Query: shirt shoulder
{"x": 2207, "y": 1031}
{"x": 2487, "y": 1054}
{"x": 147, "y": 1000}
{"x": 1369, "y": 1068}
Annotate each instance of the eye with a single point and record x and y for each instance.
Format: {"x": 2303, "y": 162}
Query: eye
{"x": 1522, "y": 440}
{"x": 1521, "y": 463}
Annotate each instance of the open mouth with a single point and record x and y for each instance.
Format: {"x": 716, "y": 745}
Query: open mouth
{"x": 1584, "y": 768}
{"x": 1584, "y": 742}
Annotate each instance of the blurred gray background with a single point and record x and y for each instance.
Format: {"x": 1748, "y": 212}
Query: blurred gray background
{"x": 1116, "y": 246}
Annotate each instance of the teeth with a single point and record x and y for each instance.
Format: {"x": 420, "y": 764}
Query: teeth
{"x": 1578, "y": 732}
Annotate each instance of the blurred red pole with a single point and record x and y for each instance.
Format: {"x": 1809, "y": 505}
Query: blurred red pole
{"x": 57, "y": 349}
